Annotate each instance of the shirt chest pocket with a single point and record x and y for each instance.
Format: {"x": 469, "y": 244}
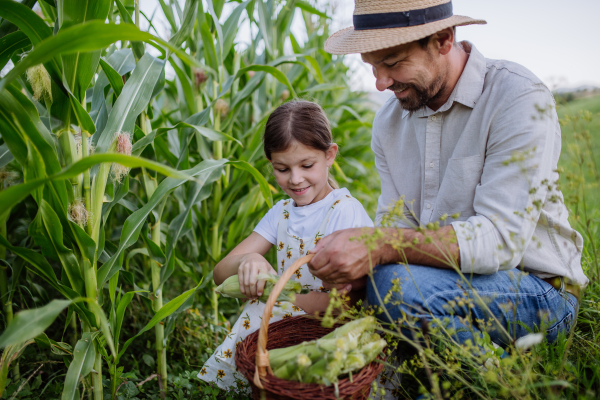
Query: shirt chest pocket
{"x": 457, "y": 190}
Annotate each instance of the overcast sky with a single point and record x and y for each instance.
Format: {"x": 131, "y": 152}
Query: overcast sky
{"x": 556, "y": 39}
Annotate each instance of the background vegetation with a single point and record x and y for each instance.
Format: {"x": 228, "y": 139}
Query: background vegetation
{"x": 121, "y": 300}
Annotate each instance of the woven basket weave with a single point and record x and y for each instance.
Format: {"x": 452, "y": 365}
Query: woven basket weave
{"x": 252, "y": 359}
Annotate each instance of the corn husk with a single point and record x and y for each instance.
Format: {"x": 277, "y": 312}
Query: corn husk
{"x": 231, "y": 288}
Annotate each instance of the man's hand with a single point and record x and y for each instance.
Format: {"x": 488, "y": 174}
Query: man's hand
{"x": 338, "y": 259}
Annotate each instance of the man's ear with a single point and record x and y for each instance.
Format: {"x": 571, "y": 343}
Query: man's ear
{"x": 444, "y": 41}
{"x": 331, "y": 153}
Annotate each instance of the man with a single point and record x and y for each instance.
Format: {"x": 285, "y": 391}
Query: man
{"x": 472, "y": 144}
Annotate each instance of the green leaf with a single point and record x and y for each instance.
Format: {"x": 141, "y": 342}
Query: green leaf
{"x": 121, "y": 307}
{"x": 89, "y": 36}
{"x": 28, "y": 324}
{"x": 323, "y": 87}
{"x": 163, "y": 313}
{"x": 138, "y": 47}
{"x": 104, "y": 326}
{"x": 17, "y": 193}
{"x": 26, "y": 19}
{"x": 11, "y": 43}
{"x": 303, "y": 5}
{"x": 9, "y": 355}
{"x": 133, "y": 100}
{"x": 134, "y": 223}
{"x": 187, "y": 25}
{"x": 82, "y": 364}
{"x": 231, "y": 27}
{"x": 277, "y": 74}
{"x": 54, "y": 232}
{"x": 262, "y": 182}
{"x": 265, "y": 26}
{"x": 114, "y": 78}
{"x": 5, "y": 155}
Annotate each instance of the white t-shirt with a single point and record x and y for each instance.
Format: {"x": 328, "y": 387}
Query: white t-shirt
{"x": 305, "y": 221}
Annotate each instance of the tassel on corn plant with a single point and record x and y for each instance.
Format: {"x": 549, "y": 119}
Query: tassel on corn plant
{"x": 39, "y": 79}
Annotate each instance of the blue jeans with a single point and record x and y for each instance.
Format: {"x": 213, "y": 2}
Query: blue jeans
{"x": 521, "y": 303}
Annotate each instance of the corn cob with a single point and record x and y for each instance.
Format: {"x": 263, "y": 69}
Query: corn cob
{"x": 231, "y": 288}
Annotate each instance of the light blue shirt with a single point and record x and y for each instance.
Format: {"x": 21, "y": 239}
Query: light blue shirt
{"x": 490, "y": 154}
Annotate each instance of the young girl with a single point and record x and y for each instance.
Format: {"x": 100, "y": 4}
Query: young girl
{"x": 298, "y": 143}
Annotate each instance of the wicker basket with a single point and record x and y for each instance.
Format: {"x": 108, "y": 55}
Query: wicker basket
{"x": 252, "y": 357}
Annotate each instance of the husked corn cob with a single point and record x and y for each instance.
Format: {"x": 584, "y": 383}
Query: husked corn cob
{"x": 231, "y": 288}
{"x": 344, "y": 350}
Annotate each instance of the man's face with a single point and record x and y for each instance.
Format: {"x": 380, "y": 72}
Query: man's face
{"x": 417, "y": 76}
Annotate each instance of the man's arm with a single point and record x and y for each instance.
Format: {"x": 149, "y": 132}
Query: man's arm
{"x": 342, "y": 258}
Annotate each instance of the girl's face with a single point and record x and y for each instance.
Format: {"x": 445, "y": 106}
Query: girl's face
{"x": 302, "y": 172}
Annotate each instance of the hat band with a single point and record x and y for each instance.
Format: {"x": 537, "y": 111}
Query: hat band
{"x": 402, "y": 19}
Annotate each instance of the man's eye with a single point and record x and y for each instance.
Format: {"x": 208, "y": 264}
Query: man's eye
{"x": 392, "y": 65}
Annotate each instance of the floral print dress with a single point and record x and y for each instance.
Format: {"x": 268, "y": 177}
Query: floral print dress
{"x": 220, "y": 367}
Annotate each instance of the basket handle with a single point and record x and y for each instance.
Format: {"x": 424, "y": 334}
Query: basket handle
{"x": 262, "y": 355}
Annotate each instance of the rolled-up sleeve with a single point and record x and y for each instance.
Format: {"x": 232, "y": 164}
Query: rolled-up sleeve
{"x": 517, "y": 173}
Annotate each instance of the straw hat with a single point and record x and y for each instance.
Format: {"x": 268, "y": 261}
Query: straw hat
{"x": 380, "y": 24}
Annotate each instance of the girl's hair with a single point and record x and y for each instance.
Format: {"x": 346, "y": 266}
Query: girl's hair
{"x": 299, "y": 121}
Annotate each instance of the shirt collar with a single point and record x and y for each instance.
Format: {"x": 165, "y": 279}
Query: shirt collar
{"x": 469, "y": 87}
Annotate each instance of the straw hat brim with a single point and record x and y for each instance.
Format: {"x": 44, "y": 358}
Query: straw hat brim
{"x": 349, "y": 41}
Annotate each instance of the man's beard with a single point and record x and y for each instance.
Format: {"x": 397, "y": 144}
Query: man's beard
{"x": 422, "y": 95}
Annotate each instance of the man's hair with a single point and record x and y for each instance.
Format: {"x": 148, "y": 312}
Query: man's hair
{"x": 425, "y": 41}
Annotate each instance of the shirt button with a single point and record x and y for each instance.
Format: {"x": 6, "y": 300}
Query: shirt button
{"x": 431, "y": 165}
{"x": 428, "y": 206}
{"x": 433, "y": 118}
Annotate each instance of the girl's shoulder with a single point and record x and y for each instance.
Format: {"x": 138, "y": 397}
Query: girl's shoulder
{"x": 345, "y": 207}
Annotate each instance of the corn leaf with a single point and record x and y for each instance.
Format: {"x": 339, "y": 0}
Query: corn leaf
{"x": 11, "y": 43}
{"x": 28, "y": 324}
{"x": 114, "y": 78}
{"x": 83, "y": 361}
{"x": 262, "y": 182}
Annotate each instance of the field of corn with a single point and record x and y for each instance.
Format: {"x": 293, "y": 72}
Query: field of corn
{"x": 131, "y": 162}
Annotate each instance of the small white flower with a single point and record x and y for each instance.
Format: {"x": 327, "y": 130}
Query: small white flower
{"x": 528, "y": 341}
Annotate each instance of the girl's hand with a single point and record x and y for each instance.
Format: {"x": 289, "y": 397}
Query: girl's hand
{"x": 250, "y": 266}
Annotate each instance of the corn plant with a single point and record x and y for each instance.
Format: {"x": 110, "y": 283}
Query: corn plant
{"x": 116, "y": 160}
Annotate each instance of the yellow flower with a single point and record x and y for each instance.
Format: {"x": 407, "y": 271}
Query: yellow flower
{"x": 298, "y": 274}
{"x": 254, "y": 301}
{"x": 203, "y": 372}
{"x": 286, "y": 214}
{"x": 317, "y": 240}
{"x": 280, "y": 246}
{"x": 282, "y": 262}
{"x": 296, "y": 308}
{"x": 287, "y": 315}
{"x": 246, "y": 324}
{"x": 322, "y": 289}
{"x": 285, "y": 203}
{"x": 289, "y": 254}
{"x": 301, "y": 245}
{"x": 228, "y": 353}
{"x": 336, "y": 203}
{"x": 220, "y": 373}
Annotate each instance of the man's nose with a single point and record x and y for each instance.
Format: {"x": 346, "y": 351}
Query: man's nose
{"x": 382, "y": 79}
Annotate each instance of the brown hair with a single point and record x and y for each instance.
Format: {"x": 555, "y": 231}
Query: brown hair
{"x": 299, "y": 121}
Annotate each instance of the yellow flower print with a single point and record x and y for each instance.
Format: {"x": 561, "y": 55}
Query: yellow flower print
{"x": 246, "y": 324}
{"x": 228, "y": 353}
{"x": 296, "y": 308}
{"x": 347, "y": 196}
{"x": 287, "y": 315}
{"x": 280, "y": 246}
{"x": 220, "y": 373}
{"x": 285, "y": 203}
{"x": 254, "y": 301}
{"x": 335, "y": 203}
{"x": 282, "y": 262}
{"x": 323, "y": 290}
{"x": 298, "y": 274}
{"x": 286, "y": 214}
{"x": 203, "y": 372}
{"x": 238, "y": 344}
{"x": 301, "y": 247}
{"x": 289, "y": 254}
{"x": 318, "y": 237}
{"x": 278, "y": 303}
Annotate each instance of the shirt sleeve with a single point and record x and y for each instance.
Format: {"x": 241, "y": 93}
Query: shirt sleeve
{"x": 517, "y": 174}
{"x": 349, "y": 214}
{"x": 267, "y": 227}
{"x": 389, "y": 193}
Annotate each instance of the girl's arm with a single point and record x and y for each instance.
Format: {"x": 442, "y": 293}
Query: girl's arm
{"x": 246, "y": 260}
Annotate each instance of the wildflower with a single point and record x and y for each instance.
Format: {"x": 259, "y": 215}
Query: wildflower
{"x": 123, "y": 146}
{"x": 78, "y": 212}
{"x": 528, "y": 341}
{"x": 222, "y": 107}
{"x": 40, "y": 82}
